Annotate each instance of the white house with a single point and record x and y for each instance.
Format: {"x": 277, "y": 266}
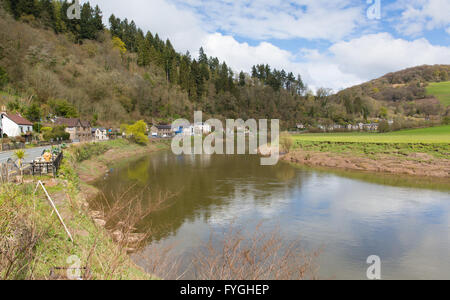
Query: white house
{"x": 188, "y": 130}
{"x": 100, "y": 134}
{"x": 15, "y": 125}
{"x": 202, "y": 128}
{"x": 195, "y": 129}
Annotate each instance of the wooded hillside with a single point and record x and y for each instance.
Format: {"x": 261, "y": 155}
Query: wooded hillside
{"x": 50, "y": 65}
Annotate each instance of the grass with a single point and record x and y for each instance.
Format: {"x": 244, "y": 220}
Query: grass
{"x": 433, "y": 135}
{"x": 33, "y": 244}
{"x": 440, "y": 90}
{"x": 434, "y": 141}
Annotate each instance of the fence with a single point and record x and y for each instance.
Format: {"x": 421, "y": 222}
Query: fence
{"x": 16, "y": 146}
{"x": 8, "y": 170}
{"x": 8, "y": 147}
{"x": 42, "y": 167}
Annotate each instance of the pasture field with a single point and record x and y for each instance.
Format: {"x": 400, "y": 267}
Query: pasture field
{"x": 433, "y": 135}
{"x": 440, "y": 90}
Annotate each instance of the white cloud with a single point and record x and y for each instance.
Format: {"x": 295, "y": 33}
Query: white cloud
{"x": 376, "y": 54}
{"x": 343, "y": 64}
{"x": 352, "y": 62}
{"x": 279, "y": 19}
{"x": 448, "y": 30}
{"x": 159, "y": 16}
{"x": 242, "y": 56}
{"x": 420, "y": 15}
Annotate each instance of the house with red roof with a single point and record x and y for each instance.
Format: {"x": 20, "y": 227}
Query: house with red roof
{"x": 14, "y": 125}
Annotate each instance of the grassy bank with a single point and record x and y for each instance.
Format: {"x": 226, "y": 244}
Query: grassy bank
{"x": 34, "y": 245}
{"x": 433, "y": 135}
{"x": 421, "y": 152}
{"x": 440, "y": 90}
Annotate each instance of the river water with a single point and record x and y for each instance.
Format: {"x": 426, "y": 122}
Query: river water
{"x": 349, "y": 217}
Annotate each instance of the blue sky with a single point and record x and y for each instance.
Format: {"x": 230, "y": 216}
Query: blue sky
{"x": 332, "y": 44}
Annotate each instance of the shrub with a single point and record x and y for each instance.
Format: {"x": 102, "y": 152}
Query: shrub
{"x": 63, "y": 108}
{"x": 56, "y": 133}
{"x": 37, "y": 127}
{"x": 384, "y": 127}
{"x": 87, "y": 151}
{"x": 446, "y": 121}
{"x": 286, "y": 142}
{"x": 136, "y": 132}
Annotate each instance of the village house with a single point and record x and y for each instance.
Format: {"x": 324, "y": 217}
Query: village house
{"x": 14, "y": 125}
{"x": 202, "y": 128}
{"x": 79, "y": 130}
{"x": 161, "y": 131}
{"x": 100, "y": 134}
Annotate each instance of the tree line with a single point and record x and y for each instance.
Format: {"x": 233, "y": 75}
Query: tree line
{"x": 53, "y": 14}
{"x": 169, "y": 84}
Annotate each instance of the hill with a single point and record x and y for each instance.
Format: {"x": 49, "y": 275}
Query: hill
{"x": 50, "y": 65}
{"x": 412, "y": 92}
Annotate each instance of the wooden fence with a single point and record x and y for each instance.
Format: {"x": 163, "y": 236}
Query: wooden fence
{"x": 8, "y": 170}
{"x": 40, "y": 168}
{"x": 9, "y": 147}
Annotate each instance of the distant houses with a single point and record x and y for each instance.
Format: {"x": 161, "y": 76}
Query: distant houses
{"x": 161, "y": 131}
{"x": 79, "y": 130}
{"x": 371, "y": 127}
{"x": 190, "y": 130}
{"x": 14, "y": 125}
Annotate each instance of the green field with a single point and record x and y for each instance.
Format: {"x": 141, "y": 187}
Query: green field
{"x": 440, "y": 90}
{"x": 434, "y": 135}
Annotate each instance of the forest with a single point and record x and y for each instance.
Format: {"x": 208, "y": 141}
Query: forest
{"x": 110, "y": 74}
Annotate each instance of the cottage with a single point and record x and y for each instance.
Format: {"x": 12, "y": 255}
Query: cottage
{"x": 100, "y": 134}
{"x": 161, "y": 131}
{"x": 202, "y": 128}
{"x": 188, "y": 130}
{"x": 79, "y": 130}
{"x": 370, "y": 127}
{"x": 14, "y": 125}
{"x": 301, "y": 127}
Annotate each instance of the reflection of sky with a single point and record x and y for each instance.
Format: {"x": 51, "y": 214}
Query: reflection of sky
{"x": 349, "y": 219}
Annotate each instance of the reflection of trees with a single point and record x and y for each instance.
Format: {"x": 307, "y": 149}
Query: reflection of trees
{"x": 285, "y": 172}
{"x": 139, "y": 172}
{"x": 200, "y": 185}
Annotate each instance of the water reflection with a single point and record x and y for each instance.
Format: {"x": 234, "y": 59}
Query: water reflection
{"x": 350, "y": 219}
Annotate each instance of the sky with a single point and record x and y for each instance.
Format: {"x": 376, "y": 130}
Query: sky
{"x": 330, "y": 43}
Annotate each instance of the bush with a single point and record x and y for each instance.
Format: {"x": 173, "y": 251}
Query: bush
{"x": 63, "y": 108}
{"x": 446, "y": 121}
{"x": 286, "y": 142}
{"x": 384, "y": 127}
{"x": 87, "y": 151}
{"x": 37, "y": 127}
{"x": 136, "y": 132}
{"x": 56, "y": 133}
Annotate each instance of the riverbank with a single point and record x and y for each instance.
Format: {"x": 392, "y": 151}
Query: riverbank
{"x": 426, "y": 160}
{"x": 34, "y": 245}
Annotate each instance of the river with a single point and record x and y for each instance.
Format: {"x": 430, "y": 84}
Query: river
{"x": 348, "y": 218}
